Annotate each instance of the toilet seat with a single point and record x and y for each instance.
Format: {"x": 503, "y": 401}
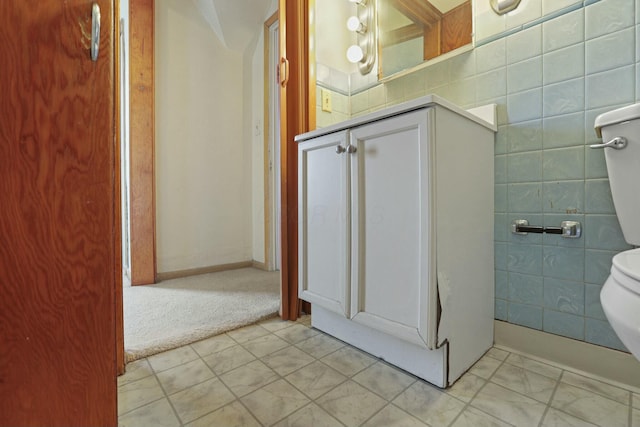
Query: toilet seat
{"x": 625, "y": 269}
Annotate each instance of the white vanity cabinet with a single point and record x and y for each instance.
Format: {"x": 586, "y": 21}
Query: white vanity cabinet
{"x": 396, "y": 235}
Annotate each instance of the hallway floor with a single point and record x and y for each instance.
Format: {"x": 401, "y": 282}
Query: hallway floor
{"x": 279, "y": 373}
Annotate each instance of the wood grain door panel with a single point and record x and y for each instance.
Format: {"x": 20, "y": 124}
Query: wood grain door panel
{"x": 57, "y": 219}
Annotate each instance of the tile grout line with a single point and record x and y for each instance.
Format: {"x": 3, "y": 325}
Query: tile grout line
{"x": 278, "y": 375}
{"x": 553, "y": 394}
{"x": 486, "y": 381}
{"x": 238, "y": 398}
{"x": 389, "y": 401}
{"x": 148, "y": 403}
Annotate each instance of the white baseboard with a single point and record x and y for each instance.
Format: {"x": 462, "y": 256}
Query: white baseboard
{"x": 611, "y": 365}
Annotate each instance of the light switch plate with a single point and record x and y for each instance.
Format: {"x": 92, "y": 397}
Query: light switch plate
{"x": 326, "y": 100}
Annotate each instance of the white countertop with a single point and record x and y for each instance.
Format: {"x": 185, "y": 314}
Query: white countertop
{"x": 484, "y": 116}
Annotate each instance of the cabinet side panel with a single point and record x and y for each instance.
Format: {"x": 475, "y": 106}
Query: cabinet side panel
{"x": 464, "y": 221}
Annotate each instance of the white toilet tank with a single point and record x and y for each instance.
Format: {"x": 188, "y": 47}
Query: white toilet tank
{"x": 623, "y": 165}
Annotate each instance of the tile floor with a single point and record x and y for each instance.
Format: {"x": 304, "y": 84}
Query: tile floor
{"x": 281, "y": 374}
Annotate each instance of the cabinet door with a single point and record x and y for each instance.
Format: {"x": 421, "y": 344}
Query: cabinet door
{"x": 393, "y": 271}
{"x": 323, "y": 222}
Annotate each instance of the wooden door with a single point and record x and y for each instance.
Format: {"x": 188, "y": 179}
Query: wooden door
{"x": 393, "y": 261}
{"x": 323, "y": 225}
{"x": 58, "y": 225}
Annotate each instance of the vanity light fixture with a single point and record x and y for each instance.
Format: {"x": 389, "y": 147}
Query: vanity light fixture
{"x": 354, "y": 24}
{"x": 363, "y": 51}
{"x": 355, "y": 54}
{"x": 503, "y": 6}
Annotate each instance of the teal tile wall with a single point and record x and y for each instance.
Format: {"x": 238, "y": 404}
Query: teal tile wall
{"x": 550, "y": 78}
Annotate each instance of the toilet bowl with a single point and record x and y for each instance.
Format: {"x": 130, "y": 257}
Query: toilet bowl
{"x": 620, "y": 298}
{"x": 620, "y": 295}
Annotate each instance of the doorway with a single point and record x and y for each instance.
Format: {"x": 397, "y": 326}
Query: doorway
{"x": 194, "y": 209}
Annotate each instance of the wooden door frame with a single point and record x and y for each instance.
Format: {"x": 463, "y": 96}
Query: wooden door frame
{"x": 119, "y": 315}
{"x": 142, "y": 142}
{"x": 295, "y": 98}
{"x": 269, "y": 255}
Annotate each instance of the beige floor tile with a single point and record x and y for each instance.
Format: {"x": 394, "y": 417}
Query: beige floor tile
{"x": 275, "y": 324}
{"x": 589, "y": 406}
{"x": 320, "y": 345}
{"x": 138, "y": 393}
{"x": 135, "y": 371}
{"x": 508, "y": 405}
{"x": 287, "y": 360}
{"x": 472, "y": 417}
{"x": 348, "y": 360}
{"x": 392, "y": 416}
{"x": 555, "y": 418}
{"x": 264, "y": 345}
{"x": 310, "y": 415}
{"x": 199, "y": 400}
{"x": 384, "y": 380}
{"x": 247, "y": 333}
{"x": 232, "y": 415}
{"x": 228, "y": 359}
{"x": 316, "y": 379}
{"x": 497, "y": 353}
{"x": 351, "y": 403}
{"x": 534, "y": 366}
{"x": 213, "y": 345}
{"x": 184, "y": 376}
{"x": 485, "y": 367}
{"x": 169, "y": 359}
{"x": 466, "y": 387}
{"x": 274, "y": 402}
{"x": 525, "y": 382}
{"x": 158, "y": 413}
{"x": 296, "y": 333}
{"x": 597, "y": 387}
{"x": 248, "y": 378}
{"x": 305, "y": 319}
{"x": 429, "y": 404}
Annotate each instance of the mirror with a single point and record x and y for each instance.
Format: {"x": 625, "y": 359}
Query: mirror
{"x": 413, "y": 31}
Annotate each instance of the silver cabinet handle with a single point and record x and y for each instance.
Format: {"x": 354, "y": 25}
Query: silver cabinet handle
{"x": 95, "y": 31}
{"x": 351, "y": 149}
{"x": 618, "y": 143}
{"x": 340, "y": 149}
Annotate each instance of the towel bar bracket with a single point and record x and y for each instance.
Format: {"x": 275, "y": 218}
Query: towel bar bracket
{"x": 567, "y": 229}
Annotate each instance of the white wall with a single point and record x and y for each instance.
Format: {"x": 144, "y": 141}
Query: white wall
{"x": 203, "y": 191}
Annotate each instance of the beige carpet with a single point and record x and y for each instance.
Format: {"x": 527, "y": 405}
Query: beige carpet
{"x": 181, "y": 311}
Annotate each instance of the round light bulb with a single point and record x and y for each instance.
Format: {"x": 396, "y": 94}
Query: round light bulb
{"x": 355, "y": 54}
{"x": 353, "y": 23}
